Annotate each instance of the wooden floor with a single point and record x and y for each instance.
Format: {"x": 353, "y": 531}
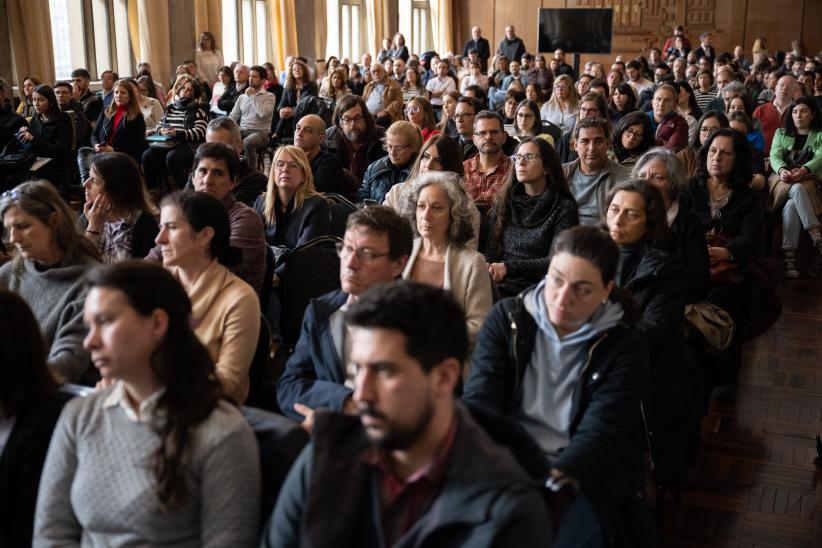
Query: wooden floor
{"x": 757, "y": 485}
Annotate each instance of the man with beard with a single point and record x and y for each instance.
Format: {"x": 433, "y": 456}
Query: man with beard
{"x": 92, "y": 105}
{"x": 354, "y": 138}
{"x": 487, "y": 172}
{"x": 415, "y": 468}
{"x": 374, "y": 250}
{"x": 82, "y": 127}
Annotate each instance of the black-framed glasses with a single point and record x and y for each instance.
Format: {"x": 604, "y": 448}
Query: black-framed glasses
{"x": 363, "y": 255}
{"x": 525, "y": 158}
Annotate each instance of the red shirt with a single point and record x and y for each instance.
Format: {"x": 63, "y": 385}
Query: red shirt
{"x": 771, "y": 120}
{"x": 483, "y": 187}
{"x": 118, "y": 115}
{"x": 402, "y": 502}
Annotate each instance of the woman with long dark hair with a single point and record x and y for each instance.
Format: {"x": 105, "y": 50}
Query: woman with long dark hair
{"x": 117, "y": 215}
{"x": 532, "y": 207}
{"x": 709, "y": 122}
{"x": 183, "y": 459}
{"x": 29, "y": 408}
{"x": 623, "y": 101}
{"x": 298, "y": 84}
{"x": 633, "y": 136}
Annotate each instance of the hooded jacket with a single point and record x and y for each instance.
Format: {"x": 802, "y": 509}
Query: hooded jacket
{"x": 380, "y": 177}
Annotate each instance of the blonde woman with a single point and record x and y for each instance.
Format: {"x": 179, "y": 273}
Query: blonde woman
{"x": 335, "y": 86}
{"x": 208, "y": 59}
{"x": 562, "y": 108}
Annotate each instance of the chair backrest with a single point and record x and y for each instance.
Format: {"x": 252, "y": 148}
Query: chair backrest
{"x": 262, "y": 385}
{"x": 339, "y": 208}
{"x": 311, "y": 270}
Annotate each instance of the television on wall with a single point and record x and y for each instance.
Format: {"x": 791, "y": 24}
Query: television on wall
{"x": 577, "y": 30}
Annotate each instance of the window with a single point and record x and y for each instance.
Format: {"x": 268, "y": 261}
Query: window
{"x": 420, "y": 27}
{"x": 245, "y": 31}
{"x": 352, "y": 30}
{"x": 92, "y": 34}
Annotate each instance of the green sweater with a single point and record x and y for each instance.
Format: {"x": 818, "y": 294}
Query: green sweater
{"x": 98, "y": 487}
{"x": 783, "y": 143}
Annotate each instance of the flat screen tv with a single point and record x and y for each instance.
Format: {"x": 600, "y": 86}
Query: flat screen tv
{"x": 576, "y": 30}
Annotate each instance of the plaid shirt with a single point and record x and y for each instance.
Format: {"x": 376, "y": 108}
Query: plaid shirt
{"x": 482, "y": 187}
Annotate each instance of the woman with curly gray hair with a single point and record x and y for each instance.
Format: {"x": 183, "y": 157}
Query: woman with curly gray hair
{"x": 440, "y": 213}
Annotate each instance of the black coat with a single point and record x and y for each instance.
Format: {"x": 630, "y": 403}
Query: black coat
{"x": 604, "y": 454}
{"x": 229, "y": 97}
{"x": 129, "y": 137}
{"x": 329, "y": 175}
{"x": 482, "y": 47}
{"x": 657, "y": 285}
{"x": 512, "y": 49}
{"x": 692, "y": 251}
{"x": 20, "y": 467}
{"x": 291, "y": 96}
{"x": 335, "y": 144}
{"x": 82, "y": 126}
{"x": 54, "y": 139}
{"x": 10, "y": 123}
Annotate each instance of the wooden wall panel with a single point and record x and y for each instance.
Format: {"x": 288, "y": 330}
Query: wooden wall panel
{"x": 183, "y": 36}
{"x": 780, "y": 22}
{"x": 812, "y": 27}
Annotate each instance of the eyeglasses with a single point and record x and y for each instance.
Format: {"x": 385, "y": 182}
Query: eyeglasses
{"x": 395, "y": 148}
{"x": 525, "y": 158}
{"x": 352, "y": 120}
{"x": 594, "y": 111}
{"x": 412, "y": 110}
{"x": 363, "y": 255}
{"x": 487, "y": 133}
{"x": 635, "y": 133}
{"x": 706, "y": 130}
{"x": 463, "y": 115}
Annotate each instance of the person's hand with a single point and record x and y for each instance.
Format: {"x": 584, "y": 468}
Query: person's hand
{"x": 785, "y": 176}
{"x": 97, "y": 212}
{"x": 168, "y": 131}
{"x": 799, "y": 173}
{"x": 758, "y": 181}
{"x": 286, "y": 112}
{"x": 497, "y": 271}
{"x": 75, "y": 93}
{"x": 103, "y": 148}
{"x": 718, "y": 254}
{"x": 308, "y": 413}
{"x": 25, "y": 135}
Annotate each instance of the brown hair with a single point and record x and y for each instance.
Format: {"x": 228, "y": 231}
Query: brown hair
{"x": 133, "y": 106}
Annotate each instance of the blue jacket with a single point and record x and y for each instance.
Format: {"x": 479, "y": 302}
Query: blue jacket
{"x": 380, "y": 177}
{"x": 314, "y": 374}
{"x": 486, "y": 498}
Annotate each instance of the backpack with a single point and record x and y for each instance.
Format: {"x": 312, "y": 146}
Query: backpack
{"x": 311, "y": 104}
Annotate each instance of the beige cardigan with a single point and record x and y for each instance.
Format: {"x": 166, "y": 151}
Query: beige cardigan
{"x": 467, "y": 277}
{"x": 227, "y": 318}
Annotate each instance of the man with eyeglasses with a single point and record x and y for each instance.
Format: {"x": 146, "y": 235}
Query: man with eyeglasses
{"x": 486, "y": 173}
{"x": 464, "y": 114}
{"x": 354, "y": 139}
{"x": 669, "y": 127}
{"x": 374, "y": 250}
{"x": 592, "y": 174}
{"x": 309, "y": 134}
{"x": 592, "y": 104}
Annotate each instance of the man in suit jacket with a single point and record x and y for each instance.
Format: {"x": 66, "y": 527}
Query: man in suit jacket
{"x": 480, "y": 45}
{"x": 374, "y": 251}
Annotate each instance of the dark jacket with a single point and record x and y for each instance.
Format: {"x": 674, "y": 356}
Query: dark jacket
{"x": 655, "y": 279}
{"x": 482, "y": 47}
{"x": 129, "y": 135}
{"x": 294, "y": 228}
{"x": 525, "y": 243}
{"x": 229, "y": 97}
{"x": 21, "y": 463}
{"x": 486, "y": 498}
{"x": 512, "y": 49}
{"x": 604, "y": 455}
{"x": 10, "y": 123}
{"x": 314, "y": 374}
{"x": 692, "y": 250}
{"x": 329, "y": 175}
{"x": 54, "y": 139}
{"x": 356, "y": 163}
{"x": 380, "y": 177}
{"x": 145, "y": 232}
{"x": 82, "y": 126}
{"x": 290, "y": 98}
{"x": 741, "y": 218}
{"x": 92, "y": 105}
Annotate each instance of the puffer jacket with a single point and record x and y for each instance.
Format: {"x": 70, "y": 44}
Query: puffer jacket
{"x": 380, "y": 177}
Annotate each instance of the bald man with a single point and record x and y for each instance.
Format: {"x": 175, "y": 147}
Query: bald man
{"x": 309, "y": 134}
{"x": 770, "y": 114}
{"x": 480, "y": 45}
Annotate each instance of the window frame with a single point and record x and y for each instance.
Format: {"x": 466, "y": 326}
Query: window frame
{"x": 253, "y": 26}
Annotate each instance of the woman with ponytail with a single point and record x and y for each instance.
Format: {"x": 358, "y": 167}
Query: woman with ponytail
{"x": 159, "y": 457}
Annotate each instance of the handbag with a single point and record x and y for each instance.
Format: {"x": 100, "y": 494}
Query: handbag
{"x": 724, "y": 271}
{"x": 706, "y": 322}
{"x": 13, "y": 157}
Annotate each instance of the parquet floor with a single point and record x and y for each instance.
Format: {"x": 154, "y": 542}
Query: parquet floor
{"x": 756, "y": 483}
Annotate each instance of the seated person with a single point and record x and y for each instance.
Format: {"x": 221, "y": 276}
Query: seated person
{"x": 29, "y": 408}
{"x": 120, "y": 128}
{"x": 215, "y": 172}
{"x": 592, "y": 104}
{"x": 796, "y": 159}
{"x": 527, "y": 123}
{"x": 409, "y": 343}
{"x": 487, "y": 172}
{"x": 184, "y": 460}
{"x": 117, "y": 216}
{"x": 49, "y": 134}
{"x": 578, "y": 376}
{"x": 374, "y": 251}
{"x": 309, "y": 134}
{"x": 194, "y": 240}
{"x": 633, "y": 137}
{"x": 531, "y": 209}
{"x": 184, "y": 122}
{"x": 48, "y": 271}
{"x": 740, "y": 122}
{"x": 662, "y": 168}
{"x": 592, "y": 174}
{"x": 419, "y": 112}
{"x": 709, "y": 122}
{"x": 10, "y": 121}
{"x": 440, "y": 213}
{"x": 563, "y": 106}
{"x": 253, "y": 111}
{"x": 655, "y": 278}
{"x": 354, "y": 138}
{"x": 250, "y": 182}
{"x": 669, "y": 127}
{"x": 730, "y": 212}
{"x": 298, "y": 84}
{"x": 402, "y": 143}
{"x": 82, "y": 127}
